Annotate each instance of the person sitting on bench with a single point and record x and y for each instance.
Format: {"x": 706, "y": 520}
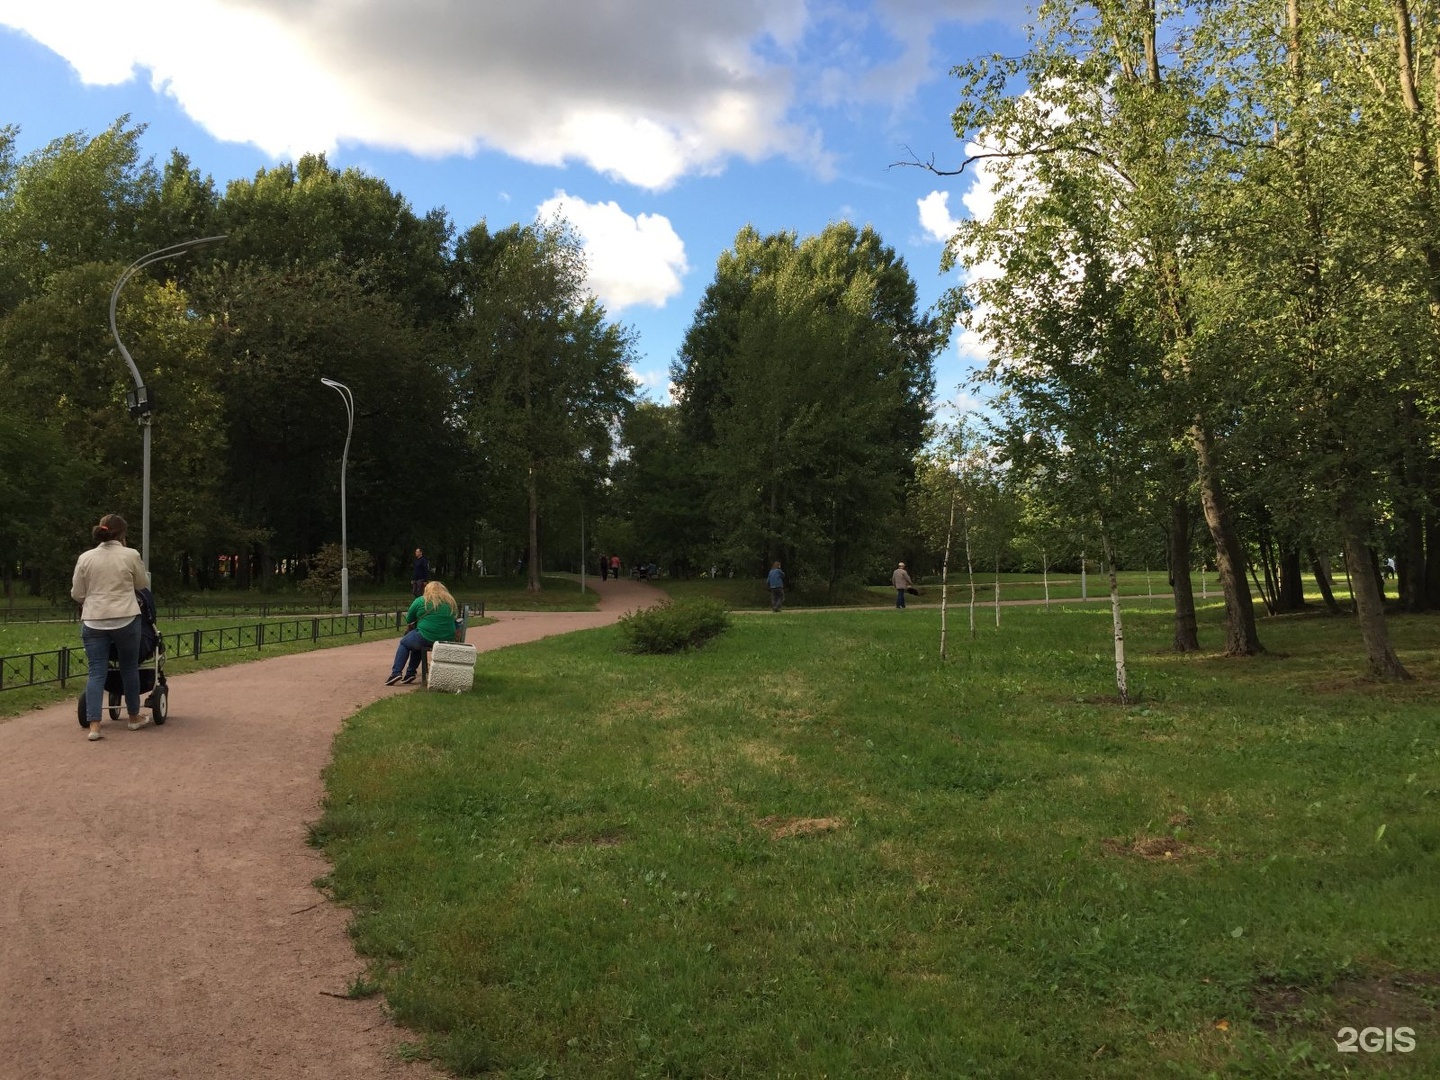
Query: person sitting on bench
{"x": 431, "y": 618}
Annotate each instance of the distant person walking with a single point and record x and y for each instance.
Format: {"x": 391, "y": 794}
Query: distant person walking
{"x": 420, "y": 575}
{"x": 604, "y": 567}
{"x": 105, "y": 582}
{"x": 902, "y": 582}
{"x": 776, "y": 581}
{"x": 615, "y": 567}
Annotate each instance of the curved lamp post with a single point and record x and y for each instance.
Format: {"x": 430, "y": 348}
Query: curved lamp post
{"x": 141, "y": 401}
{"x": 344, "y": 392}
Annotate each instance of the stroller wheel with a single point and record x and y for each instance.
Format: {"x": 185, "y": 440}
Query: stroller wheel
{"x": 114, "y": 705}
{"x": 160, "y": 704}
{"x": 80, "y": 712}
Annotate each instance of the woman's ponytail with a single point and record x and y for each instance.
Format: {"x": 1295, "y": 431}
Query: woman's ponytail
{"x": 111, "y": 527}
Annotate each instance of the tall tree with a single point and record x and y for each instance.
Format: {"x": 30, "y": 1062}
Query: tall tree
{"x": 1094, "y": 144}
{"x": 543, "y": 373}
{"x": 805, "y": 380}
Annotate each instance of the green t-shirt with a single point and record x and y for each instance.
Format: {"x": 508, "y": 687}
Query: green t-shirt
{"x": 436, "y": 625}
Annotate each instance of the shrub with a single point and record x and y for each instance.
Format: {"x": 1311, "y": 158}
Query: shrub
{"x": 323, "y": 578}
{"x": 673, "y": 626}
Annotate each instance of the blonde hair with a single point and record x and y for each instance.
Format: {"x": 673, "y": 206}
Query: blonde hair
{"x": 436, "y": 594}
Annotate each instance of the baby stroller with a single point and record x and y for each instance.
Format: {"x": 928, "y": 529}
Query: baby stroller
{"x": 152, "y": 669}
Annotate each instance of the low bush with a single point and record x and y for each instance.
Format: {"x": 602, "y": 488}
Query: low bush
{"x": 674, "y": 626}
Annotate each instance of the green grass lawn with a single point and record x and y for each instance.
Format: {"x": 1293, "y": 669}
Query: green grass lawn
{"x": 812, "y": 850}
{"x": 746, "y": 594}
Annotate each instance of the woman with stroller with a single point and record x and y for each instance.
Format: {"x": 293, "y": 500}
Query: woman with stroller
{"x": 105, "y": 582}
{"x": 433, "y": 615}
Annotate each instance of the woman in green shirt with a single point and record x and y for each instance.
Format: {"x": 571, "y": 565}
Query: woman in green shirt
{"x": 433, "y": 614}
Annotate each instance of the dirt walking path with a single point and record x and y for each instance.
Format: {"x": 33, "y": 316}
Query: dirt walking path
{"x": 157, "y": 912}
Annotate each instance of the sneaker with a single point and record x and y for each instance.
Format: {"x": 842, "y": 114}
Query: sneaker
{"x": 94, "y": 735}
{"x": 409, "y": 678}
{"x": 137, "y": 723}
{"x": 392, "y": 680}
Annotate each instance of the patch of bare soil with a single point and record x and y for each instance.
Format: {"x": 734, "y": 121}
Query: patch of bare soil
{"x": 781, "y": 827}
{"x": 1153, "y": 848}
{"x": 607, "y": 839}
{"x": 1398, "y": 999}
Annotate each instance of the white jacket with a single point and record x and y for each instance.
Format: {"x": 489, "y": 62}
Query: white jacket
{"x": 105, "y": 581}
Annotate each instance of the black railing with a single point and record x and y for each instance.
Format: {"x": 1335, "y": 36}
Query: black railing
{"x": 71, "y": 612}
{"x": 61, "y": 665}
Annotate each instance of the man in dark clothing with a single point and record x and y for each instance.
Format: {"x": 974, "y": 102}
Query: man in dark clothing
{"x": 775, "y": 580}
{"x": 421, "y": 573}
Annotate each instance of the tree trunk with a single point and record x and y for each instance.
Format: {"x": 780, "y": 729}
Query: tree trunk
{"x": 1118, "y": 625}
{"x": 1432, "y": 560}
{"x": 945, "y": 579}
{"x": 532, "y": 581}
{"x": 1379, "y": 655}
{"x": 1410, "y": 565}
{"x": 267, "y": 569}
{"x": 1187, "y": 634}
{"x": 1264, "y": 594}
{"x": 970, "y": 570}
{"x": 1292, "y": 587}
{"x": 1322, "y": 581}
{"x": 1241, "y": 638}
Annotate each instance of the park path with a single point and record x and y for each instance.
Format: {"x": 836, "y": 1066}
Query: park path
{"x": 157, "y": 912}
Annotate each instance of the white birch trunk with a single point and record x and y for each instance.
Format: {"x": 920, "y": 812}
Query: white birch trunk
{"x": 997, "y": 592}
{"x": 945, "y": 577}
{"x": 970, "y": 569}
{"x": 1119, "y": 629}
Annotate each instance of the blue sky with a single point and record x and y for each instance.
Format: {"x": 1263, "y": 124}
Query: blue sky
{"x": 658, "y": 127}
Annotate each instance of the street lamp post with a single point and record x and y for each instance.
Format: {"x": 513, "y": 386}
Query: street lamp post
{"x": 141, "y": 400}
{"x": 345, "y": 395}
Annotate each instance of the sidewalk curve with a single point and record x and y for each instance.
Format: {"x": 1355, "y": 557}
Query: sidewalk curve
{"x": 157, "y": 912}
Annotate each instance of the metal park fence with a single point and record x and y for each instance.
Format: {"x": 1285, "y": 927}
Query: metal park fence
{"x": 62, "y": 665}
{"x": 71, "y": 612}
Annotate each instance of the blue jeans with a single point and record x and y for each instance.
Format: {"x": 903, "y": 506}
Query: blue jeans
{"x": 97, "y": 659}
{"x": 899, "y": 597}
{"x": 412, "y": 646}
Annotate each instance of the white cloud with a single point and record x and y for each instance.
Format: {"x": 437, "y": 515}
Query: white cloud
{"x": 655, "y": 385}
{"x": 645, "y": 91}
{"x": 631, "y": 260}
{"x": 935, "y": 216}
{"x": 905, "y": 55}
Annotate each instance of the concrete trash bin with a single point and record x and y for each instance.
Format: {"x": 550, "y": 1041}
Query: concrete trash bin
{"x": 452, "y": 667}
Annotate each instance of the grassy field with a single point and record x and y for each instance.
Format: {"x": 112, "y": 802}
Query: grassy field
{"x": 747, "y": 594}
{"x": 812, "y": 850}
